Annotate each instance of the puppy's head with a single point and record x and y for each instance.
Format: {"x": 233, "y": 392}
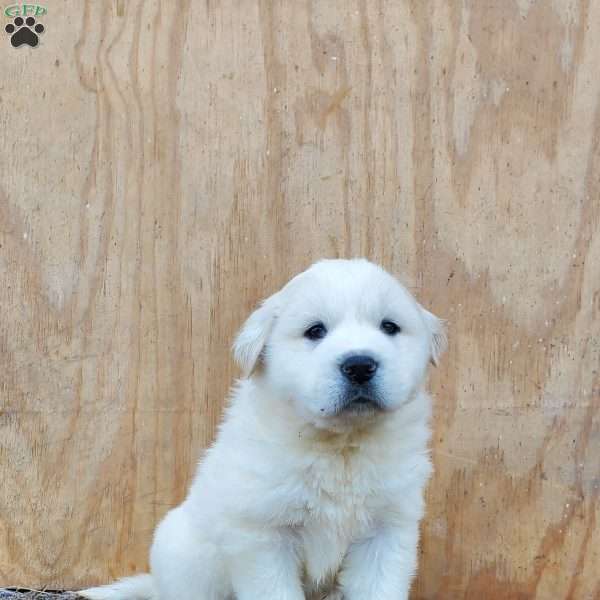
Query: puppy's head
{"x": 342, "y": 341}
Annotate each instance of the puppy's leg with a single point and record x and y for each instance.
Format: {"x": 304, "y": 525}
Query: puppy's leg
{"x": 267, "y": 568}
{"x": 381, "y": 567}
{"x": 185, "y": 565}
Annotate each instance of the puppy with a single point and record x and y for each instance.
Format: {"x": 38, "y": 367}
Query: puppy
{"x": 314, "y": 486}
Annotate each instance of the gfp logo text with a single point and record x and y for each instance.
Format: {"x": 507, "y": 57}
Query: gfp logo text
{"x": 24, "y": 10}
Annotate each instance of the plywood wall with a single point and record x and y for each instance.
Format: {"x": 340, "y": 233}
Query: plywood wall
{"x": 164, "y": 165}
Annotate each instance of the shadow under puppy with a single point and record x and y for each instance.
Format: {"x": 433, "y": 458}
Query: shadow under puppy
{"x": 314, "y": 486}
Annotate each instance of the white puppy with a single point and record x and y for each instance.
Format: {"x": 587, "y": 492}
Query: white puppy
{"x": 313, "y": 488}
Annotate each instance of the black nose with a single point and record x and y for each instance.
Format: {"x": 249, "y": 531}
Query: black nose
{"x": 359, "y": 368}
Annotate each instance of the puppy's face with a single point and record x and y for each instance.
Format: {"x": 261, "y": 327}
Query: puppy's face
{"x": 342, "y": 341}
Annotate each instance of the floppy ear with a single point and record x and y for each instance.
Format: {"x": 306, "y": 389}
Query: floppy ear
{"x": 252, "y": 337}
{"x": 439, "y": 340}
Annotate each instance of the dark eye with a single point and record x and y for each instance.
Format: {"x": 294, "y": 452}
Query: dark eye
{"x": 316, "y": 332}
{"x": 390, "y": 328}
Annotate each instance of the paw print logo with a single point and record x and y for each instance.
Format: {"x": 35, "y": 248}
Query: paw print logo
{"x": 24, "y": 31}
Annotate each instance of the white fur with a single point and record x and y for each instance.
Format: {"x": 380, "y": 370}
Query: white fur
{"x": 302, "y": 495}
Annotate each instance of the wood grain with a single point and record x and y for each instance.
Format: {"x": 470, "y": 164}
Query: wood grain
{"x": 164, "y": 165}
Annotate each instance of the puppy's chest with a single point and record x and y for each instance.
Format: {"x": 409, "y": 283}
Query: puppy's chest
{"x": 339, "y": 506}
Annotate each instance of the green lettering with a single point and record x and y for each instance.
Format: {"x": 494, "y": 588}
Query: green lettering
{"x": 27, "y": 8}
{"x": 12, "y": 11}
{"x": 40, "y": 10}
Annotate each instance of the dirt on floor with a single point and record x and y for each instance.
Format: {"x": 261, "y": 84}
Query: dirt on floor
{"x": 22, "y": 594}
